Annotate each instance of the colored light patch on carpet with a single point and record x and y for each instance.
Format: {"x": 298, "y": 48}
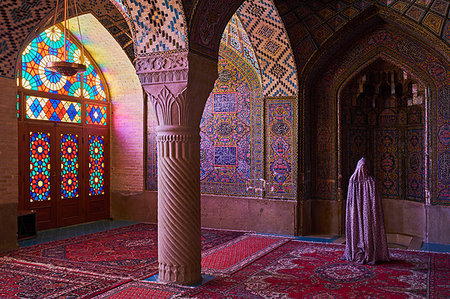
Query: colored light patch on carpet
{"x": 234, "y": 255}
{"x": 312, "y": 270}
{"x": 20, "y": 279}
{"x": 137, "y": 290}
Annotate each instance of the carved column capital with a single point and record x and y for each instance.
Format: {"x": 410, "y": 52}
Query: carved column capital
{"x": 171, "y": 109}
{"x": 163, "y": 68}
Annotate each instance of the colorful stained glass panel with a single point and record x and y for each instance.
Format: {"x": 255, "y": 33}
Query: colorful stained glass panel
{"x": 49, "y": 46}
{"x": 69, "y": 166}
{"x": 39, "y": 166}
{"x": 92, "y": 84}
{"x": 18, "y": 106}
{"x": 96, "y": 165}
{"x": 95, "y": 115}
{"x": 54, "y": 110}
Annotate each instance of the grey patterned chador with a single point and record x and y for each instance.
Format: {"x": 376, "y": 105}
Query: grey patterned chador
{"x": 364, "y": 228}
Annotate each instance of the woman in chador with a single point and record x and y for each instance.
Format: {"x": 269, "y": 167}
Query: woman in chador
{"x": 365, "y": 234}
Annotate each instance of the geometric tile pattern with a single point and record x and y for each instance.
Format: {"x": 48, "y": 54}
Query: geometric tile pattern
{"x": 160, "y": 25}
{"x": 17, "y": 20}
{"x": 235, "y": 37}
{"x": 280, "y": 148}
{"x": 270, "y": 42}
{"x": 208, "y": 20}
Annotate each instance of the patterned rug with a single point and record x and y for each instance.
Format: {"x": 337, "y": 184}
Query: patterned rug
{"x": 28, "y": 280}
{"x": 144, "y": 290}
{"x": 234, "y": 255}
{"x": 313, "y": 270}
{"x": 126, "y": 252}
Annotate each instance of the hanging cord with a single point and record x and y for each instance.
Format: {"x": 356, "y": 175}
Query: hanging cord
{"x": 65, "y": 30}
{"x": 79, "y": 31}
{"x": 56, "y": 12}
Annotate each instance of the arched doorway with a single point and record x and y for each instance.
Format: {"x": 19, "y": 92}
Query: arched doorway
{"x": 64, "y": 135}
{"x": 383, "y": 117}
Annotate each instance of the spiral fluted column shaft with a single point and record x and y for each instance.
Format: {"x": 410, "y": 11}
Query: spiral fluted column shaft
{"x": 179, "y": 235}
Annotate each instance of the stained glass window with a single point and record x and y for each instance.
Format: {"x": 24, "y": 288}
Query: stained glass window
{"x": 18, "y": 105}
{"x": 54, "y": 110}
{"x": 49, "y": 46}
{"x": 69, "y": 165}
{"x": 92, "y": 85}
{"x": 39, "y": 166}
{"x": 96, "y": 165}
{"x": 95, "y": 115}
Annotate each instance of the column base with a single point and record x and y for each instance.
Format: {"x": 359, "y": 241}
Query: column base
{"x": 184, "y": 275}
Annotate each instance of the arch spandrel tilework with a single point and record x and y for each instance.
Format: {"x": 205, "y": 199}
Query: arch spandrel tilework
{"x": 160, "y": 25}
{"x": 270, "y": 41}
{"x": 235, "y": 37}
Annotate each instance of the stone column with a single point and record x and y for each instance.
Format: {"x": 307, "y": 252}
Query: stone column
{"x": 165, "y": 79}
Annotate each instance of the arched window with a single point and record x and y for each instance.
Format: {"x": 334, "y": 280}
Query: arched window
{"x": 64, "y": 121}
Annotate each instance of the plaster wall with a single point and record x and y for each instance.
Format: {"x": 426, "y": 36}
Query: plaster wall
{"x": 139, "y": 206}
{"x": 439, "y": 224}
{"x": 404, "y": 217}
{"x": 9, "y": 171}
{"x": 324, "y": 217}
{"x": 239, "y": 213}
{"x": 253, "y": 214}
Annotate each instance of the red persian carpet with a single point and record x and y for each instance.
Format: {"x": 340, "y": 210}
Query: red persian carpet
{"x": 143, "y": 290}
{"x": 126, "y": 252}
{"x": 29, "y": 280}
{"x": 313, "y": 270}
{"x": 234, "y": 255}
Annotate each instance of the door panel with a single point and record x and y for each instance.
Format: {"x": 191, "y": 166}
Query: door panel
{"x": 97, "y": 172}
{"x": 70, "y": 199}
{"x": 40, "y": 174}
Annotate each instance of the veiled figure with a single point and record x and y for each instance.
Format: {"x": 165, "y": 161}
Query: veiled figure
{"x": 365, "y": 233}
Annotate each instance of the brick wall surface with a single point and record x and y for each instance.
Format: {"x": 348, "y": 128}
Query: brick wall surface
{"x": 8, "y": 142}
{"x": 127, "y": 126}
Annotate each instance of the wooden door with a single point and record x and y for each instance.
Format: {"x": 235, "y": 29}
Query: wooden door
{"x": 65, "y": 174}
{"x": 39, "y": 173}
{"x": 96, "y": 142}
{"x": 70, "y": 175}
